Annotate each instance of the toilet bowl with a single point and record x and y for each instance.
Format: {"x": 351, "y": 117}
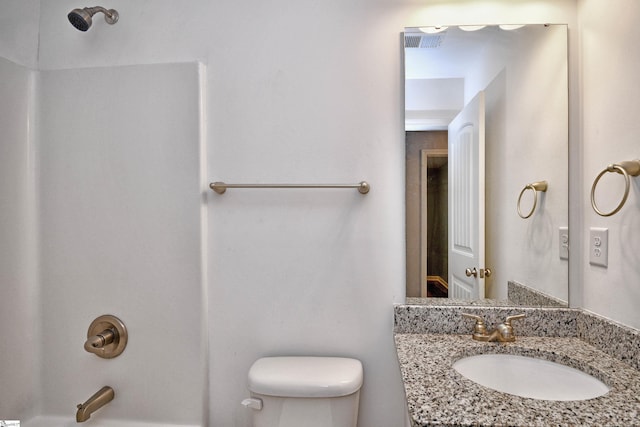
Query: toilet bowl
{"x": 304, "y": 391}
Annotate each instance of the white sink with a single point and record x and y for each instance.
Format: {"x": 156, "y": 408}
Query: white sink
{"x": 530, "y": 377}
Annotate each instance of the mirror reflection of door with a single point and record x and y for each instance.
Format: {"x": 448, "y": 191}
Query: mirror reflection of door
{"x": 467, "y": 201}
{"x": 445, "y": 207}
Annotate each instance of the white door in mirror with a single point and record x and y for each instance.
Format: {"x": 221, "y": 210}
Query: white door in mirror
{"x": 466, "y": 201}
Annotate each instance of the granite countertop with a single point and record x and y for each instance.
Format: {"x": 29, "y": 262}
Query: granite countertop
{"x": 453, "y": 301}
{"x": 438, "y": 395}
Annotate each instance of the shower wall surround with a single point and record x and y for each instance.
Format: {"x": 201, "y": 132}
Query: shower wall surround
{"x": 19, "y": 310}
{"x": 121, "y": 233}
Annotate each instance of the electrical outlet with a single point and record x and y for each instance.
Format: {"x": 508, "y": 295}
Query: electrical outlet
{"x": 599, "y": 246}
{"x": 564, "y": 242}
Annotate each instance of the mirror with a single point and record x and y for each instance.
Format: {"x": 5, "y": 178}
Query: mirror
{"x": 486, "y": 120}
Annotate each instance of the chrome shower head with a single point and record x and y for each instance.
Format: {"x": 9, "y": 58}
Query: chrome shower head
{"x": 82, "y": 18}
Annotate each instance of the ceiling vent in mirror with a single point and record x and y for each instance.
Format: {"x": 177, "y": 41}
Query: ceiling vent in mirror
{"x": 423, "y": 41}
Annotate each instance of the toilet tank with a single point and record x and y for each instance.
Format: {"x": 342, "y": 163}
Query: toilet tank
{"x": 305, "y": 391}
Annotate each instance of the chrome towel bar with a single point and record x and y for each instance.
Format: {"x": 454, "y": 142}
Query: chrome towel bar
{"x": 220, "y": 187}
{"x": 535, "y": 187}
{"x": 626, "y": 168}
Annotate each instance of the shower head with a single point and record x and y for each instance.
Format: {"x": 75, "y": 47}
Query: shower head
{"x": 81, "y": 18}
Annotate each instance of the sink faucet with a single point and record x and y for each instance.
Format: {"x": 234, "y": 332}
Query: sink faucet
{"x": 502, "y": 333}
{"x": 95, "y": 402}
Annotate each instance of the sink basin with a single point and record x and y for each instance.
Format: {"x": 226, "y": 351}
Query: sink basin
{"x": 530, "y": 377}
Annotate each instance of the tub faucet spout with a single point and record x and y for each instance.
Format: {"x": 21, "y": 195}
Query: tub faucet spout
{"x": 95, "y": 402}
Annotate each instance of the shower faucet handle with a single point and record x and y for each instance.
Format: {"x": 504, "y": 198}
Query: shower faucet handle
{"x": 106, "y": 337}
{"x": 96, "y": 343}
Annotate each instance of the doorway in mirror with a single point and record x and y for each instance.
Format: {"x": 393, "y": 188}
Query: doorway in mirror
{"x": 426, "y": 213}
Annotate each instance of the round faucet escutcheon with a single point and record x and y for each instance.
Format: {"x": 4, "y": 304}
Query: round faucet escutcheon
{"x": 106, "y": 337}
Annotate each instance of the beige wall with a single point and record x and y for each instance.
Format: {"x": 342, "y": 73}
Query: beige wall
{"x": 415, "y": 142}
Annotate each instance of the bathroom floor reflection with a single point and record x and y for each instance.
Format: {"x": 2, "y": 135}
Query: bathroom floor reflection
{"x": 437, "y": 287}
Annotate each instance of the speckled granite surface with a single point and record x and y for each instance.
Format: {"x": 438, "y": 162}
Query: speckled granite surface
{"x": 439, "y": 395}
{"x": 448, "y": 320}
{"x": 430, "y": 338}
{"x": 520, "y": 294}
{"x": 452, "y": 301}
{"x": 616, "y": 340}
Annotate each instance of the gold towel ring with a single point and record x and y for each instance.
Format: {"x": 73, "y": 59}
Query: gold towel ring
{"x": 625, "y": 168}
{"x": 535, "y": 187}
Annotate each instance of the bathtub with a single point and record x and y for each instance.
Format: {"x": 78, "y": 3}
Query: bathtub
{"x": 50, "y": 421}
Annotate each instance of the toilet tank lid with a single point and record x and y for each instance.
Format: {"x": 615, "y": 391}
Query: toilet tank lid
{"x": 305, "y": 376}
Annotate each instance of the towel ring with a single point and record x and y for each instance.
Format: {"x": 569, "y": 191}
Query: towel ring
{"x": 535, "y": 187}
{"x": 626, "y": 168}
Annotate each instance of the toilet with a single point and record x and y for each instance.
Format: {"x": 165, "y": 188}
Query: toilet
{"x": 304, "y": 391}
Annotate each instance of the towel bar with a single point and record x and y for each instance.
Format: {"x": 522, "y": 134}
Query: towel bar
{"x": 220, "y": 187}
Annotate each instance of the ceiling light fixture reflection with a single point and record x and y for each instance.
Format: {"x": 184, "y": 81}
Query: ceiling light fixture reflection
{"x": 471, "y": 27}
{"x": 432, "y": 30}
{"x": 509, "y": 27}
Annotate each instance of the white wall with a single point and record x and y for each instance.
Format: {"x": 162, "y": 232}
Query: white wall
{"x": 432, "y": 103}
{"x": 19, "y": 24}
{"x": 19, "y": 300}
{"x": 611, "y": 133}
